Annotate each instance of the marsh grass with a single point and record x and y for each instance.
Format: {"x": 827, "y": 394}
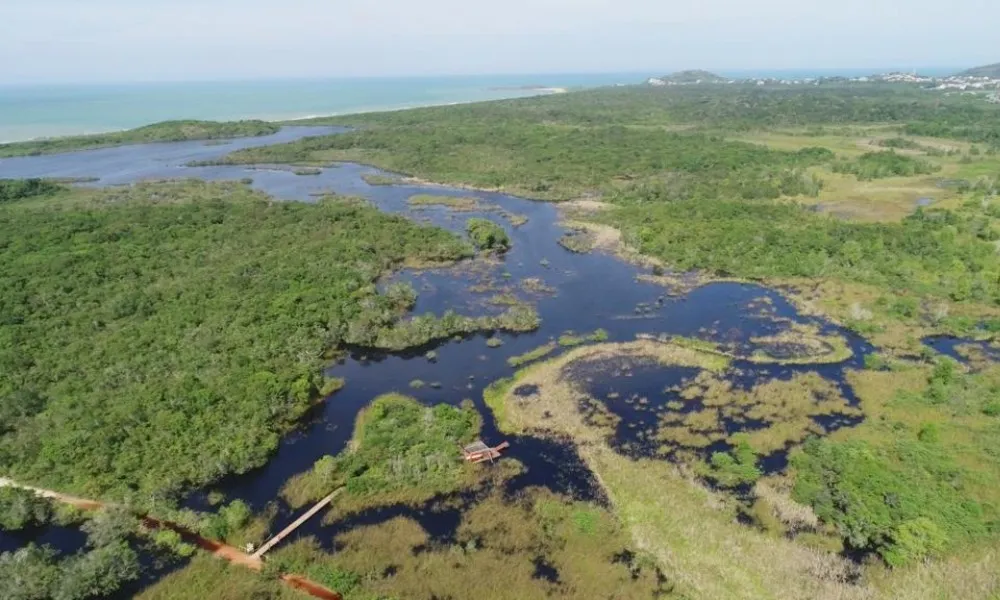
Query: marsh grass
{"x": 804, "y": 344}
{"x": 787, "y": 408}
{"x": 533, "y": 355}
{"x": 226, "y": 582}
{"x": 536, "y": 285}
{"x": 498, "y": 545}
{"x": 459, "y": 204}
{"x": 799, "y": 344}
{"x": 579, "y": 241}
{"x": 569, "y": 339}
{"x": 689, "y": 530}
{"x": 379, "y": 179}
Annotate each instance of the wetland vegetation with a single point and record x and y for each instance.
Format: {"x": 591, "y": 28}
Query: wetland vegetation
{"x": 792, "y": 464}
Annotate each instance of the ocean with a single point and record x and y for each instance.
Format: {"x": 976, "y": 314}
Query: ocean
{"x": 35, "y": 111}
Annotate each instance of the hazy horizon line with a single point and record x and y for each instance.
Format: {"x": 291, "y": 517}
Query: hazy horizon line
{"x": 639, "y": 73}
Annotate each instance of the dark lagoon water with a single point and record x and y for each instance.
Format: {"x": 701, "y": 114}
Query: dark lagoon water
{"x": 589, "y": 291}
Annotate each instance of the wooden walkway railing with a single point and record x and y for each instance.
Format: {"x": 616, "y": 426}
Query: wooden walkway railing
{"x": 271, "y": 543}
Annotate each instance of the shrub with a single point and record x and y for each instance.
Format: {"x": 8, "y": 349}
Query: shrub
{"x": 877, "y": 165}
{"x": 487, "y": 235}
{"x": 735, "y": 468}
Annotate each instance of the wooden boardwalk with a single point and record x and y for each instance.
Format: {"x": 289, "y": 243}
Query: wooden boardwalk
{"x": 271, "y": 543}
{"x": 217, "y": 549}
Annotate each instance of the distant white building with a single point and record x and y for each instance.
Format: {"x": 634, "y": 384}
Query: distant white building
{"x": 656, "y": 81}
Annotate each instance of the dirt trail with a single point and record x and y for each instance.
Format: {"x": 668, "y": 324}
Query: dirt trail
{"x": 218, "y": 549}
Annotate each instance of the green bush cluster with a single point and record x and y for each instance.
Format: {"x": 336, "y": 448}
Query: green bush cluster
{"x": 877, "y": 165}
{"x": 903, "y": 499}
{"x": 487, "y": 235}
{"x": 19, "y": 189}
{"x": 400, "y": 444}
{"x": 735, "y": 468}
{"x": 381, "y": 330}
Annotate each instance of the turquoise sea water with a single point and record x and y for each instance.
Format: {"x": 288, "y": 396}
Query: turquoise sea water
{"x": 28, "y": 112}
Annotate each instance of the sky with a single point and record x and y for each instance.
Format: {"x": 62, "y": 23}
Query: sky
{"x": 73, "y": 41}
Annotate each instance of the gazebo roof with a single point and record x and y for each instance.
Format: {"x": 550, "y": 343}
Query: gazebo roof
{"x": 476, "y": 447}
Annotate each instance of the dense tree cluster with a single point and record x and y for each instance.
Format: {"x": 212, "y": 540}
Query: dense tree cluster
{"x": 400, "y": 444}
{"x": 40, "y": 573}
{"x": 730, "y": 107}
{"x": 149, "y": 346}
{"x": 561, "y": 163}
{"x": 876, "y": 165}
{"x": 21, "y": 508}
{"x": 939, "y": 252}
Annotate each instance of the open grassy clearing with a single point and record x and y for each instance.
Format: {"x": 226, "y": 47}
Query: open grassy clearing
{"x": 884, "y": 199}
{"x": 895, "y": 322}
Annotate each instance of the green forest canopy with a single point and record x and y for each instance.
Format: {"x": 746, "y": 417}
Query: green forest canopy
{"x": 152, "y": 346}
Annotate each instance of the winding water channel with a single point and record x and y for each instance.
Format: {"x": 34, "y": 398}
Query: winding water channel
{"x": 591, "y": 291}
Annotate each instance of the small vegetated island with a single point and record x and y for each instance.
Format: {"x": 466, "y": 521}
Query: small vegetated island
{"x": 167, "y": 131}
{"x": 159, "y": 337}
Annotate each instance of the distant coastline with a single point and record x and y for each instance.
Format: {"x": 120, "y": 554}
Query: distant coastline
{"x": 31, "y": 112}
{"x": 47, "y": 111}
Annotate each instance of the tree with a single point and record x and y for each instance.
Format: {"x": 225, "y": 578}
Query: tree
{"x": 28, "y": 573}
{"x": 97, "y": 573}
{"x": 21, "y": 508}
{"x": 108, "y": 526}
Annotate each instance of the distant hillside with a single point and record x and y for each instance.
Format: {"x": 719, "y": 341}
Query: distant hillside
{"x": 694, "y": 76}
{"x": 688, "y": 77}
{"x": 986, "y": 71}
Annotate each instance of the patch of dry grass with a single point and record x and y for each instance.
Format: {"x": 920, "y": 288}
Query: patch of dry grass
{"x": 888, "y": 199}
{"x": 458, "y": 204}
